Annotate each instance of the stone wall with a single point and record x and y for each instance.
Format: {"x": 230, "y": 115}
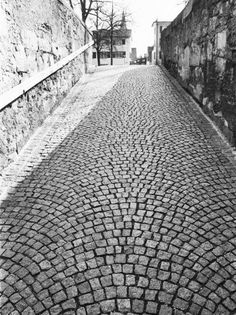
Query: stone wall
{"x": 33, "y": 36}
{"x": 199, "y": 49}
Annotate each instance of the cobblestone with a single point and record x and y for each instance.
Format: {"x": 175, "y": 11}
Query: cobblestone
{"x": 129, "y": 210}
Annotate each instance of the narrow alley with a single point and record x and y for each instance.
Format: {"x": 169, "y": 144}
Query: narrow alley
{"x": 132, "y": 211}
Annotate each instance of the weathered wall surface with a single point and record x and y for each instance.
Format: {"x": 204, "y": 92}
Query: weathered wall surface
{"x": 199, "y": 49}
{"x": 33, "y": 36}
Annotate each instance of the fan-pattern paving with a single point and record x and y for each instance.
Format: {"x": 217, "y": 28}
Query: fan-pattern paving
{"x": 133, "y": 213}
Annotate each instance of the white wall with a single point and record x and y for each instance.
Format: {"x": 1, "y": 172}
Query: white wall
{"x": 117, "y": 61}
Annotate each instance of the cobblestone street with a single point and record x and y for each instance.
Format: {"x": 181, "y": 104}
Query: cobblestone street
{"x": 132, "y": 212}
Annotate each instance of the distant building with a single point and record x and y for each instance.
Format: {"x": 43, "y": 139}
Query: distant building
{"x": 121, "y": 46}
{"x": 150, "y": 50}
{"x": 159, "y": 26}
{"x": 133, "y": 55}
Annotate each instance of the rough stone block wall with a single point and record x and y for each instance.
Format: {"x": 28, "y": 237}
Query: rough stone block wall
{"x": 33, "y": 36}
{"x": 199, "y": 49}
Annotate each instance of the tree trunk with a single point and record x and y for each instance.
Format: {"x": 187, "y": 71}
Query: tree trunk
{"x": 111, "y": 50}
{"x": 98, "y": 39}
{"x": 98, "y": 57}
{"x": 85, "y": 52}
{"x": 71, "y": 4}
{"x": 112, "y": 27}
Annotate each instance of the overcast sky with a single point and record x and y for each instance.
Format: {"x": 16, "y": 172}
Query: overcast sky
{"x": 144, "y": 13}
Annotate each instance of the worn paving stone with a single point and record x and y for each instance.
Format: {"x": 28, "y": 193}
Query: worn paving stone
{"x": 132, "y": 212}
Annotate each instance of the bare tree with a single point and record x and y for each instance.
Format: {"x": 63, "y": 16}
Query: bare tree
{"x": 100, "y": 30}
{"x": 107, "y": 21}
{"x": 116, "y": 26}
{"x": 71, "y": 4}
{"x": 87, "y": 7}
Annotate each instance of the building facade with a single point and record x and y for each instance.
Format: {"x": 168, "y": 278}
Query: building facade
{"x": 133, "y": 55}
{"x": 121, "y": 39}
{"x": 158, "y": 26}
{"x": 150, "y": 54}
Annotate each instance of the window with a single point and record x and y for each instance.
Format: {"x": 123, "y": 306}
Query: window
{"x": 118, "y": 42}
{"x": 161, "y": 28}
{"x": 115, "y": 54}
{"x": 119, "y": 54}
{"x": 94, "y": 55}
{"x": 105, "y": 54}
